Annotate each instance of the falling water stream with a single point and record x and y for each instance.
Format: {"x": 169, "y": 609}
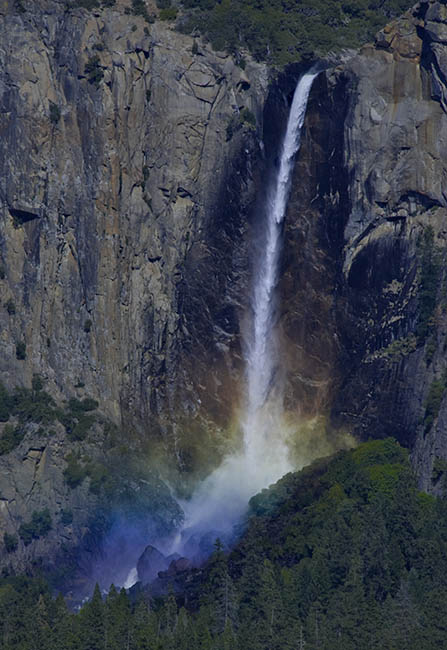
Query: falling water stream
{"x": 222, "y": 498}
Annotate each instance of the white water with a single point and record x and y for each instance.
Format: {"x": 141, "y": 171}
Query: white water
{"x": 222, "y": 498}
{"x": 264, "y": 440}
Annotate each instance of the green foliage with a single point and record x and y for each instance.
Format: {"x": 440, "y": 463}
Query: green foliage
{"x": 87, "y": 325}
{"x": 430, "y": 266}
{"x": 233, "y": 125}
{"x": 95, "y": 75}
{"x": 93, "y": 4}
{"x": 139, "y": 9}
{"x": 39, "y": 407}
{"x": 10, "y": 438}
{"x": 170, "y": 13}
{"x": 77, "y": 406}
{"x": 248, "y": 117}
{"x": 76, "y": 420}
{"x": 439, "y": 469}
{"x": 345, "y": 555}
{"x": 66, "y": 517}
{"x": 10, "y": 307}
{"x": 284, "y": 31}
{"x": 433, "y": 402}
{"x": 33, "y": 405}
{"x": 75, "y": 472}
{"x": 2, "y": 272}
{"x": 88, "y": 4}
{"x": 11, "y": 542}
{"x": 39, "y": 526}
{"x": 21, "y": 350}
{"x": 55, "y": 113}
{"x": 37, "y": 383}
{"x": 6, "y": 404}
{"x": 399, "y": 348}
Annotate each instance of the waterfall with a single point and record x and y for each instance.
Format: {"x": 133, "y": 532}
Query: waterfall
{"x": 222, "y": 498}
{"x": 264, "y": 446}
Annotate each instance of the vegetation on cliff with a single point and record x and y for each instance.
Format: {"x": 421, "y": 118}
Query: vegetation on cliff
{"x": 284, "y": 31}
{"x": 346, "y": 554}
{"x": 276, "y": 31}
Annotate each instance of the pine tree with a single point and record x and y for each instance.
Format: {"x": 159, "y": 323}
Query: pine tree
{"x": 222, "y": 596}
{"x": 41, "y": 623}
{"x": 144, "y": 631}
{"x": 91, "y": 619}
{"x": 65, "y": 629}
{"x": 117, "y": 620}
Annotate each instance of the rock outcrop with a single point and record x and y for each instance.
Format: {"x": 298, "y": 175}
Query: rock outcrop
{"x": 364, "y": 279}
{"x": 126, "y": 165}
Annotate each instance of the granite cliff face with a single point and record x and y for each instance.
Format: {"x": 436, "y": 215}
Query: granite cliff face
{"x": 126, "y": 162}
{"x": 131, "y": 164}
{"x": 126, "y": 154}
{"x": 364, "y": 311}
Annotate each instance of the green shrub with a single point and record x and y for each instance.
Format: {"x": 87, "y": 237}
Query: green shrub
{"x": 233, "y": 126}
{"x": 21, "y": 351}
{"x": 94, "y": 71}
{"x": 433, "y": 403}
{"x": 2, "y": 272}
{"x": 6, "y": 404}
{"x": 55, "y": 113}
{"x": 10, "y": 307}
{"x": 139, "y": 9}
{"x": 87, "y": 4}
{"x": 379, "y": 452}
{"x": 284, "y": 31}
{"x": 37, "y": 383}
{"x": 88, "y": 326}
{"x": 430, "y": 267}
{"x": 168, "y": 14}
{"x": 82, "y": 427}
{"x": 66, "y": 517}
{"x": 99, "y": 476}
{"x": 248, "y": 117}
{"x": 10, "y": 438}
{"x": 11, "y": 542}
{"x": 77, "y": 406}
{"x": 74, "y": 473}
{"x": 34, "y": 406}
{"x": 39, "y": 526}
{"x": 439, "y": 469}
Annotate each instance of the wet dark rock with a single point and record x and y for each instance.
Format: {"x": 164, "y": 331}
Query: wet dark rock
{"x": 150, "y": 563}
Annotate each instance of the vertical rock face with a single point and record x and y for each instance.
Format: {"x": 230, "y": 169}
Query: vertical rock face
{"x": 367, "y": 237}
{"x": 125, "y": 168}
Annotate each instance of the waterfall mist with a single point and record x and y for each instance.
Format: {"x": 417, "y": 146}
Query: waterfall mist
{"x": 222, "y": 498}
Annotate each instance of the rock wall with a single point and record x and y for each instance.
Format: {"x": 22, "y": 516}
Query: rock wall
{"x": 128, "y": 159}
{"x": 364, "y": 283}
{"x": 126, "y": 164}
